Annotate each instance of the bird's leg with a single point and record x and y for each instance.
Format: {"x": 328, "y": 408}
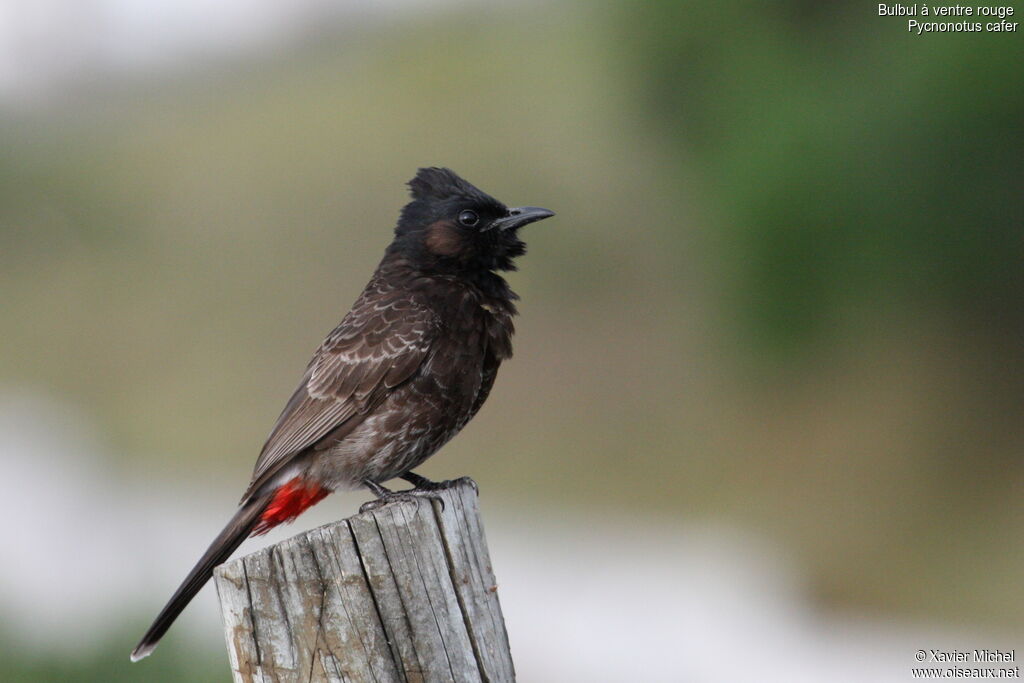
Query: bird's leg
{"x": 385, "y": 496}
{"x": 423, "y": 484}
{"x": 377, "y": 489}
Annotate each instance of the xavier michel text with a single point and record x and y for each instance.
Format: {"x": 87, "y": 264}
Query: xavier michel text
{"x": 967, "y": 655}
{"x": 943, "y": 11}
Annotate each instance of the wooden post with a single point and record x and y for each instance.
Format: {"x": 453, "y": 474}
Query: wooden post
{"x": 404, "y": 592}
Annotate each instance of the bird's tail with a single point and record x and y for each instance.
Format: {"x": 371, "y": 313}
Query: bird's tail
{"x": 236, "y": 531}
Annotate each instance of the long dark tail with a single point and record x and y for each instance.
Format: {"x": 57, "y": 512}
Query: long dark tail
{"x": 236, "y": 531}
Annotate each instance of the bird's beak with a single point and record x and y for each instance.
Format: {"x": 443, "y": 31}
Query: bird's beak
{"x": 521, "y": 215}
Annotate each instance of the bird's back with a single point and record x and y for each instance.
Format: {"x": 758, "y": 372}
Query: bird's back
{"x": 406, "y": 369}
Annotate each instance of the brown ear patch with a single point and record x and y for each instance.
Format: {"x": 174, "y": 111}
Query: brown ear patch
{"x": 444, "y": 239}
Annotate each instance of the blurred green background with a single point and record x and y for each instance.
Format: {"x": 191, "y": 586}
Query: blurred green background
{"x": 784, "y": 290}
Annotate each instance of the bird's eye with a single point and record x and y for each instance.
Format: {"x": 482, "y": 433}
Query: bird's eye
{"x": 469, "y": 218}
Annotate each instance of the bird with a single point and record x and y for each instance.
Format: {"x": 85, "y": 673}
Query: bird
{"x": 408, "y": 366}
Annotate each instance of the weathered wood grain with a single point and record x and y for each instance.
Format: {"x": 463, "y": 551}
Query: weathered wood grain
{"x": 401, "y": 593}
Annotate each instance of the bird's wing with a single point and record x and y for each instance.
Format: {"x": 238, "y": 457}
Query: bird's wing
{"x": 380, "y": 344}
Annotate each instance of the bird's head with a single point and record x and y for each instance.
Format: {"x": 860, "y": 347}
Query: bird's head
{"x": 451, "y": 226}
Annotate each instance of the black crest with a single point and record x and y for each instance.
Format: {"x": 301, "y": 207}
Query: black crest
{"x": 440, "y": 184}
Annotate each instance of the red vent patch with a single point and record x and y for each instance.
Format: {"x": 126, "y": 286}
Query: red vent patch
{"x": 291, "y": 500}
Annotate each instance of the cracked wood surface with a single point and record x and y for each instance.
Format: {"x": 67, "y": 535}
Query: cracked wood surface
{"x": 401, "y": 593}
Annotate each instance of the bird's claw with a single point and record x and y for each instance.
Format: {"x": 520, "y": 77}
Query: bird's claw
{"x": 410, "y": 496}
{"x": 446, "y": 484}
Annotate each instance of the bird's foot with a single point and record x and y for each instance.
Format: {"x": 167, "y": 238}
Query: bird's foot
{"x": 424, "y": 484}
{"x": 422, "y": 488}
{"x": 410, "y": 496}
